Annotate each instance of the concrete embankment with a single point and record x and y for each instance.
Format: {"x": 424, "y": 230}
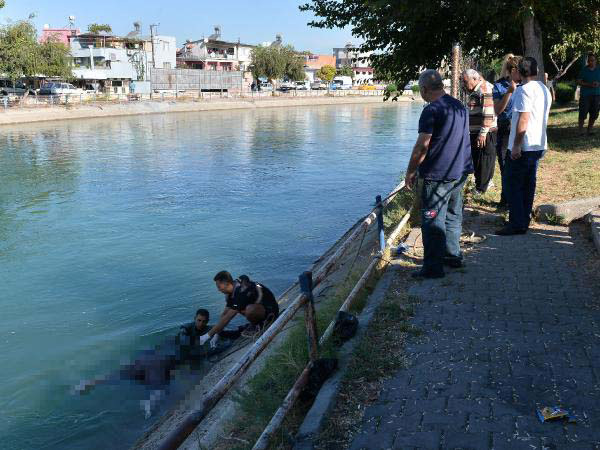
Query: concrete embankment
{"x": 44, "y": 114}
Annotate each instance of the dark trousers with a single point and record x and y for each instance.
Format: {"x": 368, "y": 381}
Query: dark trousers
{"x": 520, "y": 187}
{"x": 501, "y": 150}
{"x": 484, "y": 160}
{"x": 441, "y": 221}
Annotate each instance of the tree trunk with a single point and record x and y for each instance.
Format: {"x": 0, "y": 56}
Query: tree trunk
{"x": 532, "y": 36}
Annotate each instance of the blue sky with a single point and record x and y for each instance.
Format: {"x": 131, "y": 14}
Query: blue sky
{"x": 252, "y": 21}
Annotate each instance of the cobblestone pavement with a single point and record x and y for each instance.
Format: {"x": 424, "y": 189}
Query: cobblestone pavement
{"x": 517, "y": 329}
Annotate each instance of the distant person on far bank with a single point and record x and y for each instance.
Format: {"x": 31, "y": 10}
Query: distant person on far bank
{"x": 482, "y": 126}
{"x": 502, "y": 93}
{"x": 526, "y": 146}
{"x": 589, "y": 95}
{"x": 442, "y": 159}
{"x": 252, "y": 300}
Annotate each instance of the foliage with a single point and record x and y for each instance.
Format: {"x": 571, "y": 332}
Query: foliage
{"x": 277, "y": 62}
{"x": 415, "y": 88}
{"x": 326, "y": 73}
{"x": 55, "y": 59}
{"x": 97, "y": 28}
{"x": 411, "y": 35}
{"x": 1, "y": 3}
{"x": 346, "y": 71}
{"x": 21, "y": 55}
{"x": 570, "y": 48}
{"x": 565, "y": 92}
{"x": 19, "y": 50}
{"x": 391, "y": 88}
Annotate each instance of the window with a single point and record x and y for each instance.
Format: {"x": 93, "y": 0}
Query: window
{"x": 166, "y": 65}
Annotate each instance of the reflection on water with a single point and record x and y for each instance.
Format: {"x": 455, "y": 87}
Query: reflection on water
{"x": 111, "y": 231}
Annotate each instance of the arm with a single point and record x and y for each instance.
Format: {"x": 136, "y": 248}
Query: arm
{"x": 416, "y": 158}
{"x": 582, "y": 83}
{"x": 522, "y": 122}
{"x": 226, "y": 317}
{"x": 487, "y": 110}
{"x": 500, "y": 105}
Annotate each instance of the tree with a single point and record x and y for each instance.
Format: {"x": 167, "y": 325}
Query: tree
{"x": 326, "y": 73}
{"x": 55, "y": 59}
{"x": 97, "y": 28}
{"x": 346, "y": 71}
{"x": 277, "y": 62}
{"x": 408, "y": 35}
{"x": 564, "y": 54}
{"x": 19, "y": 50}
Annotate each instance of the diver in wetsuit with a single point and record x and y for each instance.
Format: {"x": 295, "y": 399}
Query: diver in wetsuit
{"x": 253, "y": 300}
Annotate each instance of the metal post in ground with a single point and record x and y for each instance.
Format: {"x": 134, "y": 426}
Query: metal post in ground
{"x": 380, "y": 223}
{"x": 306, "y": 286}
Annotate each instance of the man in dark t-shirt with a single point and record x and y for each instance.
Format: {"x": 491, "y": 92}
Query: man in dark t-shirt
{"x": 242, "y": 296}
{"x": 442, "y": 159}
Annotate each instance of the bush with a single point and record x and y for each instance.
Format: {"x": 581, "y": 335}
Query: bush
{"x": 391, "y": 88}
{"x": 415, "y": 88}
{"x": 565, "y": 92}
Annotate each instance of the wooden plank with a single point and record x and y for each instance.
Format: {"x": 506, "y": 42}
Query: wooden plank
{"x": 310, "y": 318}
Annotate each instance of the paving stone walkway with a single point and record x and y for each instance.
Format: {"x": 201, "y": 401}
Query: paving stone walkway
{"x": 518, "y": 328}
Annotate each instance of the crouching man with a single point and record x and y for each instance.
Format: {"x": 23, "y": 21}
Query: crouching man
{"x": 242, "y": 296}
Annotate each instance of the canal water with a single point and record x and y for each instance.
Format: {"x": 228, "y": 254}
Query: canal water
{"x": 112, "y": 229}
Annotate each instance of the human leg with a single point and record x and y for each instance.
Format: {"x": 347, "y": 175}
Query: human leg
{"x": 476, "y": 156}
{"x": 515, "y": 174}
{"x": 529, "y": 183}
{"x": 488, "y": 161}
{"x": 454, "y": 215}
{"x": 594, "y": 111}
{"x": 584, "y": 106}
{"x": 501, "y": 149}
{"x": 255, "y": 313}
{"x": 434, "y": 203}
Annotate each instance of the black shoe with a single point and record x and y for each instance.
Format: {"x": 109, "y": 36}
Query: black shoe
{"x": 456, "y": 262}
{"x": 427, "y": 274}
{"x": 509, "y": 231}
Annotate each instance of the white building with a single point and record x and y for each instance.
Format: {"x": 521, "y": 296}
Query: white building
{"x": 359, "y": 62}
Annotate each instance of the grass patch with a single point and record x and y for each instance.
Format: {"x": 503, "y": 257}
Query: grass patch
{"x": 397, "y": 209}
{"x": 378, "y": 356}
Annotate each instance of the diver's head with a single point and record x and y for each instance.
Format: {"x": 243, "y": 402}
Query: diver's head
{"x": 201, "y": 319}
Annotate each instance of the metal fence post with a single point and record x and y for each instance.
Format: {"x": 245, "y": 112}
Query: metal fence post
{"x": 306, "y": 286}
{"x": 380, "y": 223}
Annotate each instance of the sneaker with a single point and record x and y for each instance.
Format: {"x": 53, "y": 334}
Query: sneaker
{"x": 509, "y": 231}
{"x": 456, "y": 262}
{"x": 421, "y": 274}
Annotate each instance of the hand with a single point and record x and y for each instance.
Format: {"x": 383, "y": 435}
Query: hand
{"x": 213, "y": 341}
{"x": 409, "y": 180}
{"x": 481, "y": 141}
{"x": 204, "y": 338}
{"x": 515, "y": 153}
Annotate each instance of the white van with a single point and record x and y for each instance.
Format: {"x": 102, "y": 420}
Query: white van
{"x": 343, "y": 82}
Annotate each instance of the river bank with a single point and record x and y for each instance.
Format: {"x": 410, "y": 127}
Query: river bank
{"x": 53, "y": 113}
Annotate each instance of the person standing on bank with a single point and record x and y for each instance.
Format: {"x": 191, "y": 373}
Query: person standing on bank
{"x": 482, "y": 127}
{"x": 502, "y": 93}
{"x": 589, "y": 96}
{"x": 526, "y": 145}
{"x": 442, "y": 158}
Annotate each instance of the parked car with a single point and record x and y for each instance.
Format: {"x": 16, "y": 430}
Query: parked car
{"x": 303, "y": 85}
{"x": 318, "y": 85}
{"x": 343, "y": 82}
{"x": 287, "y": 86}
{"x": 8, "y": 87}
{"x": 56, "y": 88}
{"x": 366, "y": 87}
{"x": 266, "y": 86}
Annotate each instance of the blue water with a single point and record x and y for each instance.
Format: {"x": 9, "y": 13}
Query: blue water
{"x": 112, "y": 229}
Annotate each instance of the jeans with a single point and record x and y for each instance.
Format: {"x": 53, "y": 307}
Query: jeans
{"x": 501, "y": 150}
{"x": 520, "y": 187}
{"x": 441, "y": 221}
{"x": 484, "y": 160}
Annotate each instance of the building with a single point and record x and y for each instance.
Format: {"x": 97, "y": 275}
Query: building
{"x": 213, "y": 53}
{"x": 61, "y": 35}
{"x": 110, "y": 63}
{"x": 359, "y": 62}
{"x": 314, "y": 62}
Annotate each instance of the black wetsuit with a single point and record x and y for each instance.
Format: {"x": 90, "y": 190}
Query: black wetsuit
{"x": 246, "y": 292}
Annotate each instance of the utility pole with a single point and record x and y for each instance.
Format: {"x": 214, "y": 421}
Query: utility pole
{"x": 152, "y": 31}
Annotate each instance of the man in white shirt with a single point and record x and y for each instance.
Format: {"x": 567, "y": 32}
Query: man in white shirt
{"x": 526, "y": 146}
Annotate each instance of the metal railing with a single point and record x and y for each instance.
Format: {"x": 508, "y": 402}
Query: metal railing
{"x": 308, "y": 281}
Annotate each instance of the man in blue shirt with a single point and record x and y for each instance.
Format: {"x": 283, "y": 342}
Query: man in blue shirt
{"x": 589, "y": 97}
{"x": 442, "y": 158}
